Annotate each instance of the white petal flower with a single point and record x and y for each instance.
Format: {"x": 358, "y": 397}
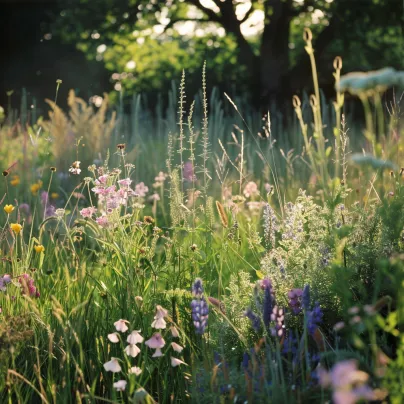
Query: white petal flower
{"x": 132, "y": 350}
{"x": 158, "y": 353}
{"x": 135, "y": 371}
{"x": 120, "y": 385}
{"x": 135, "y": 338}
{"x": 112, "y": 366}
{"x": 121, "y": 326}
{"x": 113, "y": 337}
{"x": 176, "y": 347}
{"x": 176, "y": 362}
{"x": 159, "y": 323}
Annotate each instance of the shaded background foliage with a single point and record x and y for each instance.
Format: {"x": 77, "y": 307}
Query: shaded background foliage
{"x": 252, "y": 47}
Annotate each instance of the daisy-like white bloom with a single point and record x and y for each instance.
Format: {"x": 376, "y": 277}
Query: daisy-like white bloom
{"x": 174, "y": 332}
{"x": 157, "y": 353}
{"x": 135, "y": 371}
{"x": 113, "y": 337}
{"x": 176, "y": 347}
{"x": 120, "y": 385}
{"x": 121, "y": 326}
{"x": 135, "y": 338}
{"x": 112, "y": 366}
{"x": 176, "y": 362}
{"x": 132, "y": 350}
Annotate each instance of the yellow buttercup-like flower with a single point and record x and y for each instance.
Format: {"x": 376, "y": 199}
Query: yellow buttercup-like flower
{"x": 16, "y": 227}
{"x": 15, "y": 181}
{"x": 8, "y": 209}
{"x": 54, "y": 195}
{"x": 39, "y": 248}
{"x": 36, "y": 187}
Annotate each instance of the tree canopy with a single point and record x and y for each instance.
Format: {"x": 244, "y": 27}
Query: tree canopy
{"x": 254, "y": 45}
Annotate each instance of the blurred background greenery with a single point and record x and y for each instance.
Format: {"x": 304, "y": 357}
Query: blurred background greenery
{"x": 123, "y": 47}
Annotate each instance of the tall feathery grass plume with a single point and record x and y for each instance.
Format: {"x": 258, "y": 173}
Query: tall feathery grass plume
{"x": 222, "y": 214}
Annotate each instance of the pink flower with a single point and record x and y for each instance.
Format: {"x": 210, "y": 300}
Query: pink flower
{"x": 114, "y": 337}
{"x": 156, "y": 341}
{"x": 161, "y": 177}
{"x": 102, "y": 180}
{"x": 250, "y": 189}
{"x": 188, "y": 172}
{"x": 157, "y": 353}
{"x": 141, "y": 189}
{"x": 112, "y": 366}
{"x": 121, "y": 326}
{"x": 174, "y": 332}
{"x": 176, "y": 362}
{"x": 155, "y": 197}
{"x": 135, "y": 371}
{"x": 88, "y": 212}
{"x": 120, "y": 385}
{"x": 176, "y": 347}
{"x": 132, "y": 350}
{"x": 125, "y": 182}
{"x": 102, "y": 221}
{"x": 134, "y": 338}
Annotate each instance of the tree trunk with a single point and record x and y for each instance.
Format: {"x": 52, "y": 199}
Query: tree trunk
{"x": 274, "y": 53}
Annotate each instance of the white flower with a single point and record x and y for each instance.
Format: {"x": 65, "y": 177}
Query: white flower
{"x": 113, "y": 337}
{"x": 132, "y": 350}
{"x": 159, "y": 323}
{"x": 112, "y": 366}
{"x": 176, "y": 347}
{"x": 158, "y": 353}
{"x": 120, "y": 385}
{"x": 134, "y": 338}
{"x": 135, "y": 371}
{"x": 121, "y": 326}
{"x": 176, "y": 362}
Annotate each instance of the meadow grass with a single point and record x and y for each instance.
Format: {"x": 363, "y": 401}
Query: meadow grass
{"x": 202, "y": 254}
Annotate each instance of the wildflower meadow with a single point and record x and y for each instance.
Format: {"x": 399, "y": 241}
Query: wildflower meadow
{"x": 205, "y": 253}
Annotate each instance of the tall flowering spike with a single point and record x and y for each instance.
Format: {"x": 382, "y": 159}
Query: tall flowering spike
{"x": 270, "y": 226}
{"x": 314, "y": 318}
{"x": 306, "y": 297}
{"x": 199, "y": 306}
{"x": 254, "y": 318}
{"x": 269, "y": 300}
{"x": 295, "y": 300}
{"x": 278, "y": 316}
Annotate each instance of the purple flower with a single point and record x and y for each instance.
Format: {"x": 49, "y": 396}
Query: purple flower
{"x": 141, "y": 189}
{"x": 314, "y": 318}
{"x": 44, "y": 197}
{"x": 254, "y": 318}
{"x": 199, "y": 306}
{"x": 269, "y": 300}
{"x": 102, "y": 221}
{"x": 188, "y": 172}
{"x": 295, "y": 300}
{"x": 50, "y": 211}
{"x": 27, "y": 286}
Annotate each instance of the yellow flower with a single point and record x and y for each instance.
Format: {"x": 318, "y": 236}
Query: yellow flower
{"x": 15, "y": 181}
{"x": 54, "y": 195}
{"x": 36, "y": 187}
{"x": 39, "y": 248}
{"x": 16, "y": 227}
{"x": 8, "y": 209}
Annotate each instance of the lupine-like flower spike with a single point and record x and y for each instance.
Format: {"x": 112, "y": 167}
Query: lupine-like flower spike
{"x": 199, "y": 306}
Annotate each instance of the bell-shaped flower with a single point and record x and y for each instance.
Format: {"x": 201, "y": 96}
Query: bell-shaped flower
{"x": 176, "y": 347}
{"x": 176, "y": 362}
{"x": 159, "y": 323}
{"x": 158, "y": 353}
{"x": 135, "y": 338}
{"x": 112, "y": 366}
{"x": 174, "y": 332}
{"x": 121, "y": 326}
{"x": 120, "y": 385}
{"x": 156, "y": 341}
{"x": 132, "y": 350}
{"x": 114, "y": 337}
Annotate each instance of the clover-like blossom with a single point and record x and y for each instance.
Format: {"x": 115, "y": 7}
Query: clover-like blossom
{"x": 251, "y": 189}
{"x": 88, "y": 212}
